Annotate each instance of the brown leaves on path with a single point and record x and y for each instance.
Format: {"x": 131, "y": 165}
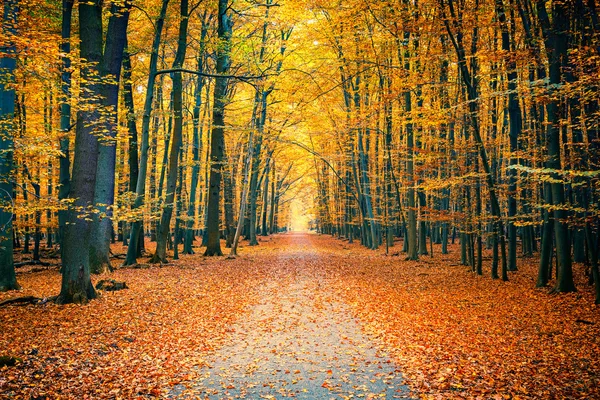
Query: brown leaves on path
{"x": 453, "y": 334}
{"x": 131, "y": 343}
{"x": 459, "y": 335}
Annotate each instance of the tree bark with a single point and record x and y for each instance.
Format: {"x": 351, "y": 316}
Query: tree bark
{"x": 140, "y": 189}
{"x": 556, "y": 37}
{"x": 515, "y": 126}
{"x": 104, "y": 191}
{"x": 76, "y": 286}
{"x": 165, "y": 221}
{"x": 217, "y": 145}
{"x": 196, "y": 143}
{"x": 8, "y": 64}
{"x": 65, "y": 114}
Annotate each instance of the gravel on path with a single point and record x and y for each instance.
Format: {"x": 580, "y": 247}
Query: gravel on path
{"x": 299, "y": 341}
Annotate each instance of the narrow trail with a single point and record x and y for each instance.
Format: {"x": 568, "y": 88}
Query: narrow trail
{"x": 299, "y": 341}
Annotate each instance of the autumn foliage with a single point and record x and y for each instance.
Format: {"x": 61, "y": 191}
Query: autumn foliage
{"x": 458, "y": 335}
{"x": 457, "y": 141}
{"x": 129, "y": 343}
{"x": 452, "y": 333}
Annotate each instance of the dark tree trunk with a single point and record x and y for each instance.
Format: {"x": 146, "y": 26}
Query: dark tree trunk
{"x": 556, "y": 37}
{"x": 133, "y": 156}
{"x": 140, "y": 190}
{"x": 515, "y": 126}
{"x": 228, "y": 200}
{"x": 547, "y": 241}
{"x": 217, "y": 145}
{"x": 265, "y": 199}
{"x": 196, "y": 143}
{"x": 165, "y": 221}
{"x": 65, "y": 115}
{"x": 104, "y": 191}
{"x": 8, "y": 64}
{"x": 76, "y": 284}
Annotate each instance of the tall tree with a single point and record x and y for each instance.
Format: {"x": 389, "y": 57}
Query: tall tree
{"x": 8, "y": 64}
{"x": 76, "y": 286}
{"x": 140, "y": 188}
{"x": 515, "y": 127}
{"x": 164, "y": 226}
{"x": 79, "y": 234}
{"x": 198, "y": 129}
{"x": 65, "y": 113}
{"x": 217, "y": 139}
{"x": 556, "y": 34}
{"x": 104, "y": 190}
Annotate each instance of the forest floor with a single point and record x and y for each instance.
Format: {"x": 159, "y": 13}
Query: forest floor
{"x": 304, "y": 316}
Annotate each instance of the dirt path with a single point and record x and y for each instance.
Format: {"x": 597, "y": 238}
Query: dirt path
{"x": 299, "y": 341}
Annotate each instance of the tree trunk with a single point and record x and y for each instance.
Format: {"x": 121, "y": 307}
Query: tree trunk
{"x": 65, "y": 115}
{"x": 547, "y": 240}
{"x": 140, "y": 190}
{"x": 272, "y": 201}
{"x": 76, "y": 286}
{"x": 556, "y": 38}
{"x": 217, "y": 145}
{"x": 8, "y": 64}
{"x": 165, "y": 221}
{"x": 412, "y": 214}
{"x": 265, "y": 198}
{"x": 515, "y": 126}
{"x": 228, "y": 201}
{"x": 104, "y": 191}
{"x": 244, "y": 196}
{"x": 134, "y": 169}
{"x": 196, "y": 144}
{"x": 258, "y": 123}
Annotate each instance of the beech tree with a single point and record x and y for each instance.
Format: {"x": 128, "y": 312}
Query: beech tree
{"x": 217, "y": 140}
{"x": 8, "y": 63}
{"x": 466, "y": 127}
{"x": 78, "y": 232}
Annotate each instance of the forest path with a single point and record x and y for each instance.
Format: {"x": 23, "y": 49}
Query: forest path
{"x": 299, "y": 340}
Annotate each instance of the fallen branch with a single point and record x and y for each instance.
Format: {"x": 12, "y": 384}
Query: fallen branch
{"x": 111, "y": 285}
{"x": 8, "y": 361}
{"x": 31, "y": 262}
{"x": 20, "y": 300}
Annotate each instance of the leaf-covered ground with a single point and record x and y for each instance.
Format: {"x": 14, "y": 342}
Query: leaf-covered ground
{"x": 451, "y": 333}
{"x": 459, "y": 335}
{"x": 299, "y": 341}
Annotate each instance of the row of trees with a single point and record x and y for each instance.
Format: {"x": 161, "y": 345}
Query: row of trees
{"x": 171, "y": 69}
{"x": 472, "y": 116}
{"x": 425, "y": 120}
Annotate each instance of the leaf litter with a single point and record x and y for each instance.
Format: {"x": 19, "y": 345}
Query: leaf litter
{"x": 300, "y": 315}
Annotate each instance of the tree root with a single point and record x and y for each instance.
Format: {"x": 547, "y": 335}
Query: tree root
{"x": 32, "y": 262}
{"x": 26, "y": 300}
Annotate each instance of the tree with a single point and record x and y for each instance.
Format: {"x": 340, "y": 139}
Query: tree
{"x": 8, "y": 64}
{"x": 197, "y": 137}
{"x": 140, "y": 187}
{"x": 76, "y": 286}
{"x": 217, "y": 140}
{"x": 65, "y": 113}
{"x": 556, "y": 40}
{"x": 104, "y": 195}
{"x": 165, "y": 220}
